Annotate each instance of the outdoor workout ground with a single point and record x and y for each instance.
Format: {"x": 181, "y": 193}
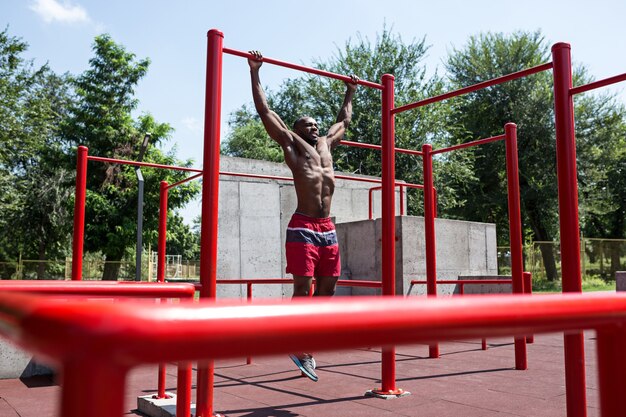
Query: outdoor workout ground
{"x": 464, "y": 382}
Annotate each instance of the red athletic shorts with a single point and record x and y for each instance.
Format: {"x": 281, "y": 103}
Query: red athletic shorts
{"x": 311, "y": 247}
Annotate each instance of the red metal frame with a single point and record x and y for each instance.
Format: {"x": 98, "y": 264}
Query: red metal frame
{"x": 161, "y": 249}
{"x": 79, "y": 213}
{"x": 302, "y": 68}
{"x": 568, "y": 222}
{"x": 515, "y": 231}
{"x": 142, "y": 164}
{"x": 475, "y": 87}
{"x": 123, "y": 335}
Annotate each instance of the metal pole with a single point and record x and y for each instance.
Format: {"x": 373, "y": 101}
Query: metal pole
{"x": 161, "y": 248}
{"x": 429, "y": 232}
{"x": 139, "y": 245}
{"x": 611, "y": 369}
{"x": 515, "y": 231}
{"x": 210, "y": 196}
{"x": 79, "y": 213}
{"x": 574, "y": 348}
{"x": 140, "y": 188}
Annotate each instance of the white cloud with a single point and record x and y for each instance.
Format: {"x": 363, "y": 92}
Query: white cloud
{"x": 192, "y": 124}
{"x": 54, "y": 11}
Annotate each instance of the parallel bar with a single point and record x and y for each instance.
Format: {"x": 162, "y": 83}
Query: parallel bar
{"x": 106, "y": 289}
{"x": 474, "y": 87}
{"x": 79, "y": 213}
{"x": 469, "y": 144}
{"x": 597, "y": 84}
{"x": 378, "y": 147}
{"x": 142, "y": 164}
{"x": 569, "y": 226}
{"x": 315, "y": 71}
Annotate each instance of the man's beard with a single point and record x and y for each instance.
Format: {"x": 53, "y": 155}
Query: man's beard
{"x": 311, "y": 141}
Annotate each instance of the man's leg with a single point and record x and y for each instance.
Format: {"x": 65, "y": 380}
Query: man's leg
{"x": 304, "y": 361}
{"x": 325, "y": 286}
{"x": 301, "y": 285}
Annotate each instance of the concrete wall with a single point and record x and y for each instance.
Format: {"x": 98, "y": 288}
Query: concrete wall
{"x": 463, "y": 248}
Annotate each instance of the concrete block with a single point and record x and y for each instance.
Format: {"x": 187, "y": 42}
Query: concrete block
{"x": 486, "y": 288}
{"x": 228, "y": 259}
{"x": 452, "y": 247}
{"x": 159, "y": 407}
{"x": 15, "y": 363}
{"x": 620, "y": 280}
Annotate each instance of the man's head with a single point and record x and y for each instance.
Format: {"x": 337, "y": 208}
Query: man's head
{"x": 306, "y": 127}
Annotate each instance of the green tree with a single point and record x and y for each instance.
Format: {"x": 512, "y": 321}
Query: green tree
{"x": 102, "y": 120}
{"x": 320, "y": 98}
{"x": 528, "y": 102}
{"x": 33, "y": 187}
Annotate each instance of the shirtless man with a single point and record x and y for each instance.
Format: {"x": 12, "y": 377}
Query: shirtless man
{"x": 311, "y": 247}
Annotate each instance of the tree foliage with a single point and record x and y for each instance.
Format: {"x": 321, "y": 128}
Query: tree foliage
{"x": 102, "y": 120}
{"x": 528, "y": 102}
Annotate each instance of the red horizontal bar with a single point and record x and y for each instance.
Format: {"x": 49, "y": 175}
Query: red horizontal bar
{"x": 338, "y": 176}
{"x": 469, "y": 144}
{"x": 128, "y": 332}
{"x": 341, "y": 282}
{"x": 466, "y": 281}
{"x": 142, "y": 164}
{"x": 597, "y": 84}
{"x": 378, "y": 147}
{"x": 267, "y": 177}
{"x": 193, "y": 177}
{"x": 303, "y": 68}
{"x": 101, "y": 288}
{"x": 474, "y": 87}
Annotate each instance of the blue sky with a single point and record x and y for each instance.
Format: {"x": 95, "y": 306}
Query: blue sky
{"x": 173, "y": 35}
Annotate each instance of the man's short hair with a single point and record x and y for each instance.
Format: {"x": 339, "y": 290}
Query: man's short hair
{"x": 298, "y": 120}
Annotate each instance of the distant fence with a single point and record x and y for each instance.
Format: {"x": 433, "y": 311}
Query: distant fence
{"x": 599, "y": 258}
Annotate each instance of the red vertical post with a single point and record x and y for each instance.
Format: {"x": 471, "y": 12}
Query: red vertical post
{"x": 249, "y": 299}
{"x": 429, "y": 231}
{"x": 79, "y": 213}
{"x": 402, "y": 191}
{"x": 183, "y": 390}
{"x": 161, "y": 248}
{"x": 388, "y": 223}
{"x": 515, "y": 231}
{"x": 102, "y": 396}
{"x": 611, "y": 346}
{"x": 575, "y": 386}
{"x": 210, "y": 199}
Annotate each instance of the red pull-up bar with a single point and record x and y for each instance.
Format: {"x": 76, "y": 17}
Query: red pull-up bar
{"x": 315, "y": 71}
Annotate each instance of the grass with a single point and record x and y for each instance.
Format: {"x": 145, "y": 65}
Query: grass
{"x": 590, "y": 283}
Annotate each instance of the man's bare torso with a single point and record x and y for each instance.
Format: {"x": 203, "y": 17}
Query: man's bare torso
{"x": 313, "y": 175}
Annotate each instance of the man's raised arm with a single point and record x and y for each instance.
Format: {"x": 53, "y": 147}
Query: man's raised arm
{"x": 275, "y": 127}
{"x": 336, "y": 131}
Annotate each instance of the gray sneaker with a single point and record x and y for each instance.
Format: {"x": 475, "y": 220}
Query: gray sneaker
{"x": 306, "y": 364}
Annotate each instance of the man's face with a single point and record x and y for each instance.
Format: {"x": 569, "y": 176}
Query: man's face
{"x": 308, "y": 130}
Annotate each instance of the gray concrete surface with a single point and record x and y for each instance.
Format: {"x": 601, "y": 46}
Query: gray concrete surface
{"x": 463, "y": 248}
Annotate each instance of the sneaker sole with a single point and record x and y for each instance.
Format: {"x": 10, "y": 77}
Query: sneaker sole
{"x": 309, "y": 375}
